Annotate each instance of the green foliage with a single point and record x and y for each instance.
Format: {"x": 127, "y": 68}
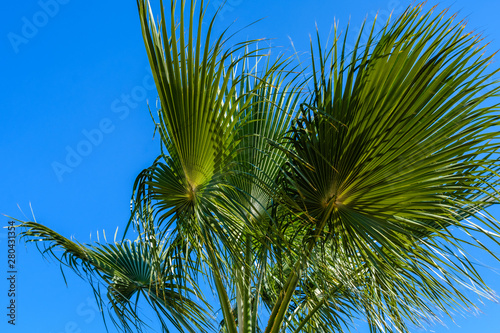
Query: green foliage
{"x": 311, "y": 209}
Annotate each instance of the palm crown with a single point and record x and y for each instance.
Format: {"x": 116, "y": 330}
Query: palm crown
{"x": 305, "y": 210}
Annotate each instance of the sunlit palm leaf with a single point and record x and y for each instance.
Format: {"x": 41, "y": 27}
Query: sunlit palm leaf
{"x": 393, "y": 150}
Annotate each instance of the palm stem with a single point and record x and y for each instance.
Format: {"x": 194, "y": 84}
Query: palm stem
{"x": 221, "y": 290}
{"x": 246, "y": 324}
{"x": 281, "y": 305}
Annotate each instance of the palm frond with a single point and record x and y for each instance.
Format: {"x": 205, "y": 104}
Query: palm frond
{"x": 128, "y": 270}
{"x": 398, "y": 139}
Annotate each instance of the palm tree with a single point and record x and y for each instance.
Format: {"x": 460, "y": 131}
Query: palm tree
{"x": 305, "y": 203}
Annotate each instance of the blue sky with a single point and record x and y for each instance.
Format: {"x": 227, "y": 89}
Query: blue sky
{"x": 75, "y": 129}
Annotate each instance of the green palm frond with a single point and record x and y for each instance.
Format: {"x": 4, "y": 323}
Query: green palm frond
{"x": 128, "y": 270}
{"x": 195, "y": 86}
{"x": 201, "y": 105}
{"x": 257, "y": 106}
{"x": 395, "y": 148}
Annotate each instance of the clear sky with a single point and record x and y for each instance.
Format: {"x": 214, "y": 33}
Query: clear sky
{"x": 75, "y": 129}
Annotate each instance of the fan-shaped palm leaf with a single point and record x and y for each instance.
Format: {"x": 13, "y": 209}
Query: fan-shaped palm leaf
{"x": 395, "y": 148}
